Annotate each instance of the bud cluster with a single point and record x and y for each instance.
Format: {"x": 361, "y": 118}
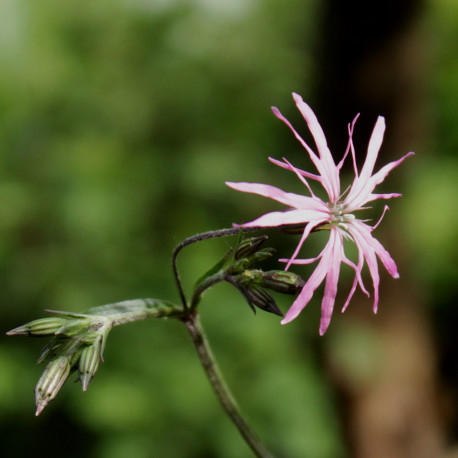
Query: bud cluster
{"x": 77, "y": 345}
{"x": 253, "y": 283}
{"x": 78, "y": 340}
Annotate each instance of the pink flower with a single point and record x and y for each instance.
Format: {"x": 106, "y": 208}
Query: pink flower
{"x": 337, "y": 215}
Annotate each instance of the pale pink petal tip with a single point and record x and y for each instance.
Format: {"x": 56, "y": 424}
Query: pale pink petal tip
{"x": 297, "y": 98}
{"x": 291, "y": 314}
{"x": 275, "y": 111}
{"x": 231, "y": 184}
{"x": 285, "y": 321}
{"x": 392, "y": 270}
{"x": 324, "y": 324}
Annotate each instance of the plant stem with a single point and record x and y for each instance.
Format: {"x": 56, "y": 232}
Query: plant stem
{"x": 207, "y": 283}
{"x": 192, "y": 322}
{"x": 199, "y": 238}
{"x": 137, "y": 309}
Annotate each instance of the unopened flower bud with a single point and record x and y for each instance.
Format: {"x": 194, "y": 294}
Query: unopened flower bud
{"x": 248, "y": 247}
{"x": 89, "y": 363}
{"x": 258, "y": 297}
{"x": 282, "y": 282}
{"x": 246, "y": 263}
{"x": 61, "y": 323}
{"x": 263, "y": 254}
{"x": 41, "y": 327}
{"x": 51, "y": 381}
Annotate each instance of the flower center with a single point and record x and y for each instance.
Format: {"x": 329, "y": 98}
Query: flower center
{"x": 339, "y": 217}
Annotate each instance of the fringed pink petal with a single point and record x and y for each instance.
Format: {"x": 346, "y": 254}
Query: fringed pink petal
{"x": 358, "y": 197}
{"x": 304, "y": 261}
{"x": 299, "y": 175}
{"x": 304, "y": 236}
{"x": 285, "y": 165}
{"x": 330, "y": 173}
{"x": 286, "y": 198}
{"x": 362, "y": 239}
{"x": 358, "y": 277}
{"x": 359, "y": 189}
{"x": 328, "y": 180}
{"x": 375, "y": 143}
{"x": 309, "y": 288}
{"x": 381, "y": 218}
{"x": 283, "y": 218}
{"x": 332, "y": 278}
{"x": 312, "y": 154}
{"x": 378, "y": 177}
{"x": 385, "y": 257}
{"x": 350, "y": 147}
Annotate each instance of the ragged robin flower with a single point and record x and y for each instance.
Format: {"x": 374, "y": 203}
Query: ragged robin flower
{"x": 339, "y": 214}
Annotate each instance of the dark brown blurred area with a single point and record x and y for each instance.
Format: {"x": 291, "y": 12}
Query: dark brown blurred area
{"x": 374, "y": 59}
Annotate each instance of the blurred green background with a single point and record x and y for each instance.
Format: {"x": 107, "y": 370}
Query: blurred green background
{"x": 119, "y": 123}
